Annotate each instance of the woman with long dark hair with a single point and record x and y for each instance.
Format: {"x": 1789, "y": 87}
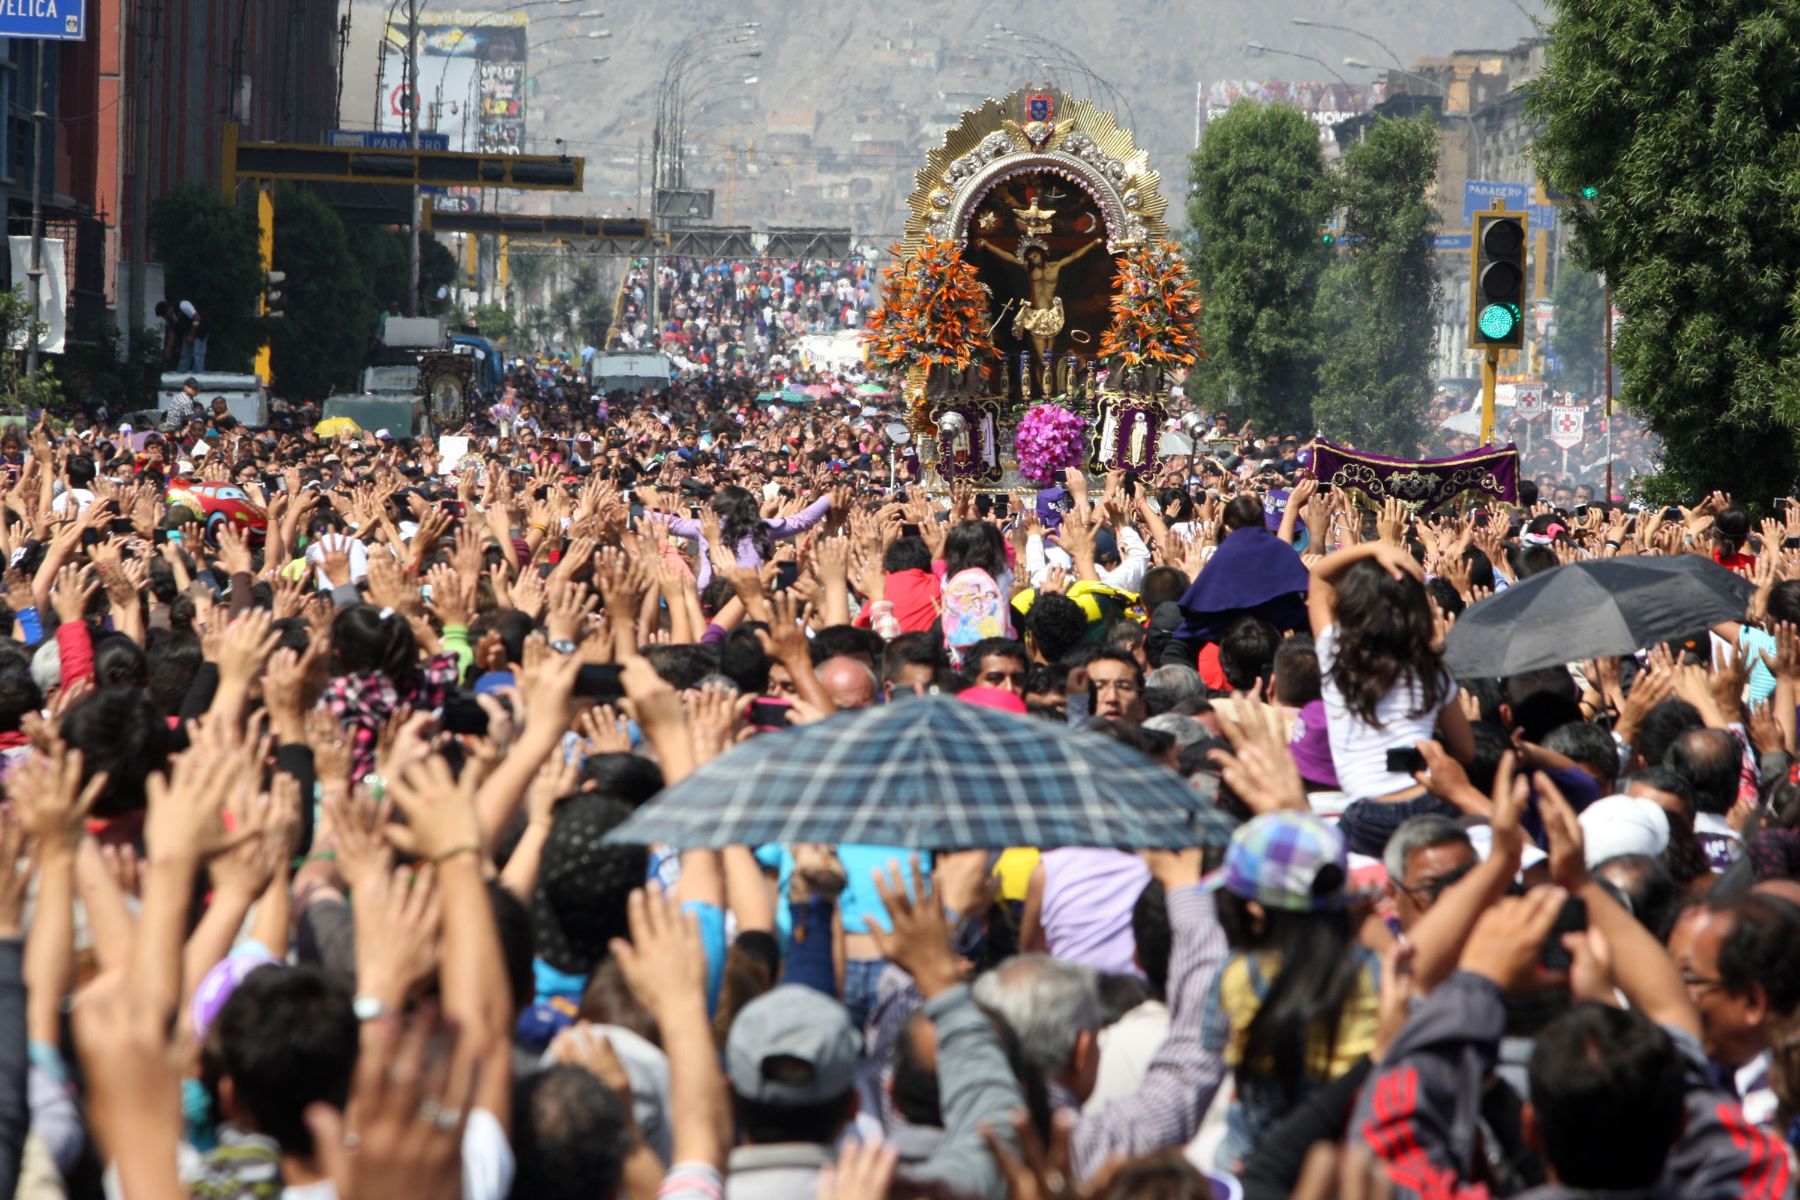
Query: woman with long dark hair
{"x": 1296, "y": 1005}
{"x": 742, "y": 527}
{"x": 375, "y": 669}
{"x": 1384, "y": 682}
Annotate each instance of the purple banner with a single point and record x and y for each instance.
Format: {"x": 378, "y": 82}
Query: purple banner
{"x": 1421, "y": 485}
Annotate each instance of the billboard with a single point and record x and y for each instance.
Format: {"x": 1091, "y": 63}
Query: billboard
{"x": 1325, "y": 103}
{"x": 471, "y": 78}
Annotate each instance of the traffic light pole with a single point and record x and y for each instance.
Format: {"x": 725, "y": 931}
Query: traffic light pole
{"x": 412, "y": 140}
{"x": 1490, "y": 370}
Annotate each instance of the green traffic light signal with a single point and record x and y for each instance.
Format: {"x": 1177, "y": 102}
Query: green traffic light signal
{"x": 1590, "y": 193}
{"x": 1497, "y": 321}
{"x": 1328, "y": 239}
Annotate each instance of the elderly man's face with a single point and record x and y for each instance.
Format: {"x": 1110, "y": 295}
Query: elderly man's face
{"x": 1429, "y": 870}
{"x": 1732, "y": 1026}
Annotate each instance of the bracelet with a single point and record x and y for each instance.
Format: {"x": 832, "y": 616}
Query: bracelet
{"x": 457, "y": 851}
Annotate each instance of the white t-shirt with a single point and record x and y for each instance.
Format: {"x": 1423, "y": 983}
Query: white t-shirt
{"x": 78, "y": 498}
{"x": 1358, "y": 749}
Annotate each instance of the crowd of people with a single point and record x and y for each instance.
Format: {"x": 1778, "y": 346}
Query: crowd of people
{"x": 1623, "y": 438}
{"x": 741, "y": 317}
{"x": 307, "y": 804}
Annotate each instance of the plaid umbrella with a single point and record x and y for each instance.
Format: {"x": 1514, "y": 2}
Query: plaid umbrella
{"x": 933, "y": 774}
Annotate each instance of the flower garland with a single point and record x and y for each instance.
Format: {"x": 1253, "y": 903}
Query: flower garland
{"x": 1154, "y": 310}
{"x": 1049, "y": 439}
{"x": 934, "y": 311}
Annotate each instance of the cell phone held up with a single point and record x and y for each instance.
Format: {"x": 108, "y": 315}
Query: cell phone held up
{"x": 1405, "y": 760}
{"x": 1572, "y": 919}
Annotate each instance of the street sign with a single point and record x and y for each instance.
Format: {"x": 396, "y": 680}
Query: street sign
{"x": 1450, "y": 243}
{"x": 1480, "y": 194}
{"x": 377, "y": 139}
{"x": 1566, "y": 425}
{"x": 1528, "y": 400}
{"x": 1543, "y": 216}
{"x": 44, "y": 20}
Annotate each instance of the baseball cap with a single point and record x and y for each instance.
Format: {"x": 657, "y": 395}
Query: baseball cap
{"x": 1310, "y": 744}
{"x": 1052, "y": 503}
{"x": 792, "y": 1047}
{"x": 1615, "y": 825}
{"x": 1285, "y": 860}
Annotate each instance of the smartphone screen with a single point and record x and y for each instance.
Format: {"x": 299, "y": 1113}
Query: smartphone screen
{"x": 786, "y": 573}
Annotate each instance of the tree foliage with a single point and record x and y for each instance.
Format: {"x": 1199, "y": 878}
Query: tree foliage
{"x": 1260, "y": 199}
{"x": 209, "y": 254}
{"x": 1685, "y": 115}
{"x": 1377, "y": 306}
{"x": 383, "y": 253}
{"x": 1580, "y": 329}
{"x": 323, "y": 341}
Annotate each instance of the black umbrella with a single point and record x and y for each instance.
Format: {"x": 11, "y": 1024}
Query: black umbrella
{"x": 1595, "y": 608}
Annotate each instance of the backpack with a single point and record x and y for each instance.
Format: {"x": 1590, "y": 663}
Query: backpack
{"x": 973, "y": 609}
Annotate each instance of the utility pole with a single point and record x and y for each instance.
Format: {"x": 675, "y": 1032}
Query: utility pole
{"x": 140, "y": 174}
{"x": 412, "y": 126}
{"x": 35, "y": 272}
{"x": 1606, "y": 303}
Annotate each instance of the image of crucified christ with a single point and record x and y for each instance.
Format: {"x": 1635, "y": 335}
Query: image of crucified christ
{"x": 1040, "y": 319}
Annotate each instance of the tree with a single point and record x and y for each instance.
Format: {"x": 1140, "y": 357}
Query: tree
{"x": 1580, "y": 330}
{"x": 438, "y": 268}
{"x": 493, "y": 322}
{"x": 1684, "y": 115}
{"x": 323, "y": 341}
{"x": 1377, "y": 305}
{"x": 209, "y": 254}
{"x": 20, "y": 392}
{"x": 383, "y": 253}
{"x": 1261, "y": 198}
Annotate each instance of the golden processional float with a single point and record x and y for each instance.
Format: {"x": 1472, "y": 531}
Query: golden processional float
{"x": 1036, "y": 312}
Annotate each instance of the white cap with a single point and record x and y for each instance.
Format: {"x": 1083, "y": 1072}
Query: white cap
{"x": 124, "y": 429}
{"x": 1616, "y": 825}
{"x": 382, "y": 435}
{"x": 183, "y": 466}
{"x": 202, "y": 449}
{"x": 187, "y": 308}
{"x": 1482, "y": 838}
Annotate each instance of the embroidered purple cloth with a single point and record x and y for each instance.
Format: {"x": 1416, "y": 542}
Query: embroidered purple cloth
{"x": 1424, "y": 484}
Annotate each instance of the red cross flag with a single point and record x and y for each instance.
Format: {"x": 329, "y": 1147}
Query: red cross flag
{"x": 1567, "y": 422}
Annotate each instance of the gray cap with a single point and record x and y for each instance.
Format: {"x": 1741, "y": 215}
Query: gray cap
{"x": 792, "y": 1046}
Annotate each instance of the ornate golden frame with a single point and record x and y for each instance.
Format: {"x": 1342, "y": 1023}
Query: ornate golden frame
{"x": 1081, "y": 143}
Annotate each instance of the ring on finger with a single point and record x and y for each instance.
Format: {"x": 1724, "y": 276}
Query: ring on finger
{"x": 448, "y": 1119}
{"x": 429, "y": 1109}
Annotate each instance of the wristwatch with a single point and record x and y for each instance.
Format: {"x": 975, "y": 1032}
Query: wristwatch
{"x": 563, "y": 646}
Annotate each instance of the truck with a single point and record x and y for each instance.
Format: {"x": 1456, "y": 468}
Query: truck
{"x": 629, "y": 371}
{"x": 415, "y": 381}
{"x": 245, "y": 396}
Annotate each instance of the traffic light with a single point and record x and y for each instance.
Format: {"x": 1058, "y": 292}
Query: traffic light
{"x": 1497, "y": 281}
{"x": 273, "y": 293}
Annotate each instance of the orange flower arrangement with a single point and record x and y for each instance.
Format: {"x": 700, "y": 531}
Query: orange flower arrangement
{"x": 934, "y": 311}
{"x": 1154, "y": 310}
